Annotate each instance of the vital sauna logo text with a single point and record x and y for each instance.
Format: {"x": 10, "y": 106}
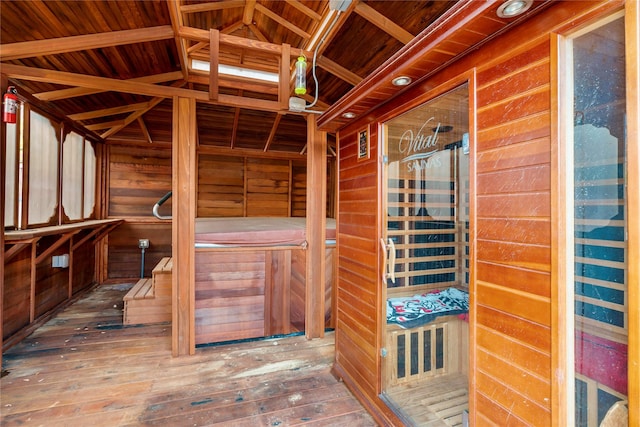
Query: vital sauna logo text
{"x": 418, "y": 148}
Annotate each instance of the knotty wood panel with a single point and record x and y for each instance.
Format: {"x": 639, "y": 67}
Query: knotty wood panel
{"x": 513, "y": 189}
{"x": 230, "y": 295}
{"x": 358, "y": 308}
{"x": 84, "y": 260}
{"x": 138, "y": 178}
{"x": 220, "y": 186}
{"x": 268, "y": 182}
{"x": 124, "y": 256}
{"x": 299, "y": 189}
{"x": 16, "y": 298}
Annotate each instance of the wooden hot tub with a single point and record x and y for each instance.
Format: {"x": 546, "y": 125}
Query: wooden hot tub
{"x": 250, "y": 277}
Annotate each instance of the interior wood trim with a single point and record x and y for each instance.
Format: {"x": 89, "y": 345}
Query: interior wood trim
{"x": 632, "y": 40}
{"x": 562, "y": 356}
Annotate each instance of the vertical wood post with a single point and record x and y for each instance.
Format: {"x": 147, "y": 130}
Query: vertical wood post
{"x": 3, "y": 142}
{"x": 316, "y": 229}
{"x": 183, "y": 226}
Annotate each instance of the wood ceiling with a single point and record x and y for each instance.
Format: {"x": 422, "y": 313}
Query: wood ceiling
{"x": 113, "y": 66}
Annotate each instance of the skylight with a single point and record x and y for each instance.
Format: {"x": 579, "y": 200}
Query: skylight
{"x": 232, "y": 70}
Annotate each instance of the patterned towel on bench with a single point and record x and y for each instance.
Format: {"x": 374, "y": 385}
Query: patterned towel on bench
{"x": 409, "y": 312}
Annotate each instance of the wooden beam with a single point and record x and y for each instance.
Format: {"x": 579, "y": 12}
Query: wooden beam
{"x": 304, "y": 9}
{"x": 207, "y": 7}
{"x": 61, "y": 241}
{"x": 72, "y": 79}
{"x": 249, "y": 152}
{"x": 181, "y": 44}
{"x": 131, "y": 117}
{"x": 239, "y": 83}
{"x": 234, "y": 129}
{"x": 316, "y": 229}
{"x": 280, "y": 20}
{"x": 214, "y": 60}
{"x": 249, "y": 9}
{"x": 256, "y": 31}
{"x": 108, "y": 111}
{"x": 104, "y": 125}
{"x": 89, "y": 41}
{"x": 55, "y": 95}
{"x": 272, "y": 134}
{"x": 283, "y": 79}
{"x": 338, "y": 70}
{"x": 251, "y": 103}
{"x": 145, "y": 131}
{"x": 197, "y": 34}
{"x": 183, "y": 228}
{"x": 382, "y": 22}
{"x": 196, "y": 47}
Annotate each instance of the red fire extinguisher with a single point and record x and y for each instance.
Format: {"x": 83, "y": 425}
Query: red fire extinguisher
{"x": 10, "y": 107}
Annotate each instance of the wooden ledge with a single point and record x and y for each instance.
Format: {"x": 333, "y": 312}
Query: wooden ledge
{"x": 31, "y": 233}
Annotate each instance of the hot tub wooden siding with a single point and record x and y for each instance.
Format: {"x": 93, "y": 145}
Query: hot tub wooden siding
{"x": 252, "y": 292}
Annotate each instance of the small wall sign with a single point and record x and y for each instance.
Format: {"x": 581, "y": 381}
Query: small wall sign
{"x": 363, "y": 144}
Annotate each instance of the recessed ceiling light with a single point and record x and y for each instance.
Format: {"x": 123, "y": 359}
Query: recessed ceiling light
{"x": 511, "y": 8}
{"x": 401, "y": 81}
{"x": 349, "y": 115}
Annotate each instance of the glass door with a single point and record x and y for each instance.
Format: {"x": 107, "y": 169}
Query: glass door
{"x": 600, "y": 224}
{"x": 427, "y": 265}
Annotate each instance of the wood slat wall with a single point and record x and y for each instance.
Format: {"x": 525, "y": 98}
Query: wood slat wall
{"x": 246, "y": 186}
{"x": 358, "y": 308}
{"x": 513, "y": 248}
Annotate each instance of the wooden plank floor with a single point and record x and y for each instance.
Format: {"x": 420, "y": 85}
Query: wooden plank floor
{"x": 436, "y": 402}
{"x": 84, "y": 368}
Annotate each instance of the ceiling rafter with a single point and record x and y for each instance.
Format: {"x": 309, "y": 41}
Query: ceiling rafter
{"x": 56, "y": 95}
{"x": 280, "y": 20}
{"x": 211, "y": 6}
{"x": 304, "y": 9}
{"x": 338, "y": 70}
{"x": 384, "y": 23}
{"x": 181, "y": 44}
{"x": 89, "y": 41}
{"x": 94, "y": 82}
{"x": 105, "y": 112}
{"x": 272, "y": 134}
{"x": 145, "y": 130}
{"x": 249, "y": 9}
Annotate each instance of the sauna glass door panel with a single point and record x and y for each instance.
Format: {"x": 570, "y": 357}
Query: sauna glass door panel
{"x": 600, "y": 222}
{"x": 426, "y": 206}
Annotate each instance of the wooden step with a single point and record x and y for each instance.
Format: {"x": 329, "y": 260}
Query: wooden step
{"x": 162, "y": 277}
{"x": 143, "y": 289}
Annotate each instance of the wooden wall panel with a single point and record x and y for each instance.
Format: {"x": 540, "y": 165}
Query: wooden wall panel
{"x": 230, "y": 295}
{"x": 513, "y": 248}
{"x": 138, "y": 178}
{"x": 16, "y": 300}
{"x": 84, "y": 261}
{"x": 299, "y": 189}
{"x": 358, "y": 308}
{"x": 124, "y": 256}
{"x": 267, "y": 182}
{"x": 220, "y": 186}
{"x": 51, "y": 286}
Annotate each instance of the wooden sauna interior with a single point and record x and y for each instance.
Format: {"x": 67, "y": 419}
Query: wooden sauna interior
{"x": 276, "y": 217}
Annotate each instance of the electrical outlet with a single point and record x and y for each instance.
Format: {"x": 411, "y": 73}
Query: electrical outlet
{"x": 143, "y": 243}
